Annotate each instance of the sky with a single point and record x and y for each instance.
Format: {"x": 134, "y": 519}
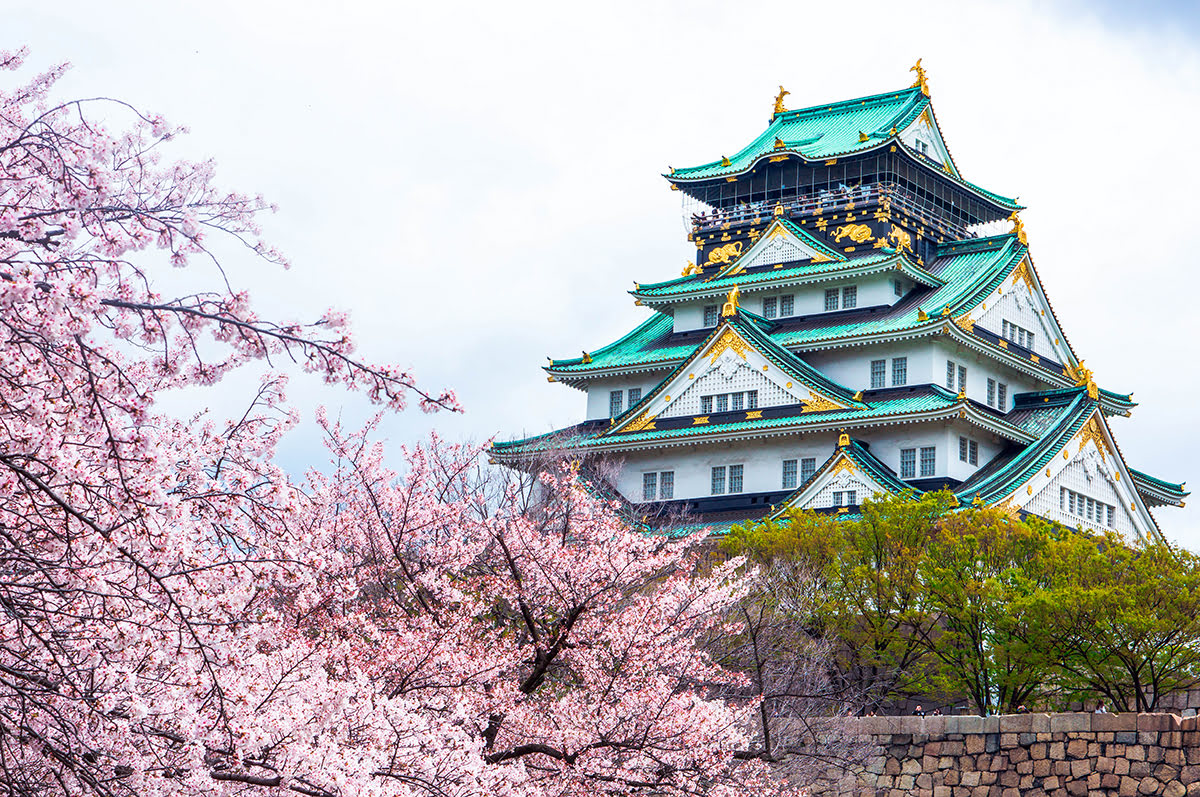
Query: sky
{"x": 479, "y": 184}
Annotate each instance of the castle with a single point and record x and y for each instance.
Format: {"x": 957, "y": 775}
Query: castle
{"x": 845, "y": 332}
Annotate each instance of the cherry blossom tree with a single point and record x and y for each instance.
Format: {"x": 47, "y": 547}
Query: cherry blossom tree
{"x": 178, "y": 616}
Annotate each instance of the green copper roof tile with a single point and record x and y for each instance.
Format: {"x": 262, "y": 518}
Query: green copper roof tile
{"x": 968, "y": 279}
{"x": 822, "y": 131}
{"x": 932, "y": 399}
{"x": 1166, "y": 486}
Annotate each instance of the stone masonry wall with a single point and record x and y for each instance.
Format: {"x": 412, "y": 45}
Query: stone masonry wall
{"x": 1027, "y": 755}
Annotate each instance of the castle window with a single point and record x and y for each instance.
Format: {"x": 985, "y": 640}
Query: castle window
{"x": 952, "y": 369}
{"x": 921, "y": 147}
{"x": 723, "y": 402}
{"x": 718, "y": 480}
{"x": 844, "y": 497}
{"x": 770, "y": 305}
{"x": 808, "y": 466}
{"x": 649, "y": 486}
{"x": 928, "y": 461}
{"x": 666, "y": 485}
{"x": 705, "y": 405}
{"x": 738, "y": 401}
{"x": 751, "y": 399}
{"x": 615, "y": 398}
{"x": 787, "y": 305}
{"x": 635, "y": 395}
{"x": 1018, "y": 335}
{"x": 735, "y": 478}
{"x": 878, "y": 373}
{"x": 1002, "y": 397}
{"x": 789, "y": 474}
{"x": 898, "y": 287}
{"x": 991, "y": 393}
{"x": 710, "y": 315}
{"x": 831, "y": 299}
{"x": 1086, "y": 508}
{"x": 968, "y": 451}
{"x": 849, "y": 297}
{"x": 899, "y": 371}
{"x": 908, "y": 463}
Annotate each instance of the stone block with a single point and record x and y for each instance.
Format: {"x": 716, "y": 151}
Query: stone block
{"x": 1148, "y": 737}
{"x": 910, "y": 766}
{"x": 1076, "y": 788}
{"x": 1039, "y": 723}
{"x": 1057, "y": 750}
{"x": 967, "y": 725}
{"x": 1018, "y": 754}
{"x": 952, "y": 748}
{"x": 1139, "y": 769}
{"x": 1041, "y": 768}
{"x": 970, "y": 779}
{"x": 1135, "y": 752}
{"x": 1093, "y": 781}
{"x": 1016, "y": 723}
{"x": 1158, "y": 722}
{"x": 1149, "y": 786}
{"x": 1093, "y": 749}
{"x": 1126, "y": 737}
{"x": 1067, "y": 723}
{"x": 974, "y": 743}
{"x": 924, "y": 781}
{"x": 1081, "y": 768}
{"x": 1103, "y": 737}
{"x": 1110, "y": 781}
{"x": 1175, "y": 789}
{"x": 1009, "y": 778}
{"x": 1051, "y": 783}
{"x": 1128, "y": 788}
{"x": 1077, "y": 748}
{"x": 1104, "y": 765}
{"x": 1166, "y": 772}
{"x": 1121, "y": 766}
{"x": 1114, "y": 722}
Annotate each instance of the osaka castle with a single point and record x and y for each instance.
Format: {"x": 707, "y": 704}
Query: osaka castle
{"x": 846, "y": 330}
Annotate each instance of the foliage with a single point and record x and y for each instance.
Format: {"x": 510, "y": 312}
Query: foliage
{"x": 925, "y": 597}
{"x": 1122, "y": 622}
{"x": 180, "y": 617}
{"x": 870, "y": 592}
{"x": 976, "y": 573}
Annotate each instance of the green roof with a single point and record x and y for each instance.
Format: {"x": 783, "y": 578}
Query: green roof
{"x": 822, "y": 131}
{"x": 999, "y": 479}
{"x": 794, "y": 274}
{"x": 919, "y": 401}
{"x": 968, "y": 278}
{"x": 833, "y": 130}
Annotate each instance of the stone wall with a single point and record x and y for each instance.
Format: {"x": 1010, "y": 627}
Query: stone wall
{"x": 1027, "y": 755}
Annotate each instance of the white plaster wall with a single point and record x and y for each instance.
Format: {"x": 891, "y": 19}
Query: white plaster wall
{"x": 1020, "y": 306}
{"x": 742, "y": 375}
{"x": 693, "y": 465}
{"x": 690, "y": 315}
{"x": 989, "y": 447}
{"x": 598, "y": 390}
{"x": 1101, "y": 487}
{"x": 763, "y": 459}
{"x": 979, "y": 370}
{"x": 852, "y": 367}
{"x": 873, "y": 290}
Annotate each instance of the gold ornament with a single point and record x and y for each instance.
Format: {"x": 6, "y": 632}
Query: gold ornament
{"x": 920, "y": 81}
{"x": 731, "y": 306}
{"x": 779, "y": 101}
{"x": 730, "y": 341}
{"x": 1018, "y": 228}
{"x": 724, "y": 254}
{"x": 859, "y": 233}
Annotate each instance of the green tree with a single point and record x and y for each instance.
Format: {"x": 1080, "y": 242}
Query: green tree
{"x": 866, "y": 570}
{"x": 979, "y": 568}
{"x": 1123, "y": 622}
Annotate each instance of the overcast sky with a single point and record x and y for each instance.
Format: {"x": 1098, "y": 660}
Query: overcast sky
{"x": 478, "y": 183}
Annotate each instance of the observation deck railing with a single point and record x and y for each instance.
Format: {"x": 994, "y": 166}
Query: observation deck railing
{"x": 828, "y": 201}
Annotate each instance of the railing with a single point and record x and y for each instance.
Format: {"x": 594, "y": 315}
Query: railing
{"x": 827, "y": 201}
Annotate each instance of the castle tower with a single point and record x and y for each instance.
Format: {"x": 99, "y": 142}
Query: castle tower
{"x": 844, "y": 332}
